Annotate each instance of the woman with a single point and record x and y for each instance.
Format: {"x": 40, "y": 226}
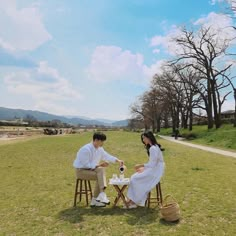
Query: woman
{"x": 147, "y": 175}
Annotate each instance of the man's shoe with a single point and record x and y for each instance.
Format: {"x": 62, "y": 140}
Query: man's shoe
{"x": 100, "y": 204}
{"x": 93, "y": 202}
{"x": 102, "y": 197}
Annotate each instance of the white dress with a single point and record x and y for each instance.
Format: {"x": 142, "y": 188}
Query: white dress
{"x": 142, "y": 183}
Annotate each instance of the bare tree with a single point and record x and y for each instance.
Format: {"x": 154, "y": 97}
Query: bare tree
{"x": 190, "y": 79}
{"x": 139, "y": 112}
{"x": 171, "y": 95}
{"x": 202, "y": 51}
{"x": 230, "y": 79}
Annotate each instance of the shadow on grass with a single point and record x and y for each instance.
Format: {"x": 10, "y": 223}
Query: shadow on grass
{"x": 168, "y": 223}
{"x": 138, "y": 216}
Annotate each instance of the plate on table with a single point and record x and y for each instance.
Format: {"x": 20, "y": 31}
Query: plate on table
{"x": 119, "y": 181}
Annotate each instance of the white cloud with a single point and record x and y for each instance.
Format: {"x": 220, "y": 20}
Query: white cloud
{"x": 44, "y": 86}
{"x": 158, "y": 40}
{"x": 154, "y": 68}
{"x": 166, "y": 41}
{"x": 213, "y": 2}
{"x": 215, "y": 21}
{"x": 27, "y": 31}
{"x": 156, "y": 51}
{"x": 110, "y": 63}
{"x": 219, "y": 24}
{"x": 6, "y": 45}
{"x": 231, "y": 2}
{"x": 228, "y": 105}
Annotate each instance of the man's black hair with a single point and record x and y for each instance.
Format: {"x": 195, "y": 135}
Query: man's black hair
{"x": 99, "y": 136}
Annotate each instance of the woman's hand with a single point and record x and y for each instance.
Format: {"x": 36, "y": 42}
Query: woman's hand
{"x": 138, "y": 166}
{"x": 140, "y": 169}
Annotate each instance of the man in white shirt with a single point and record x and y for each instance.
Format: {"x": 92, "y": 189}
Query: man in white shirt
{"x": 88, "y": 165}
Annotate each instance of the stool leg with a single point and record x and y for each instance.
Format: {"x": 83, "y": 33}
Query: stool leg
{"x": 148, "y": 200}
{"x": 76, "y": 192}
{"x": 80, "y": 189}
{"x": 86, "y": 191}
{"x": 83, "y": 187}
{"x": 157, "y": 192}
{"x": 160, "y": 193}
{"x": 90, "y": 190}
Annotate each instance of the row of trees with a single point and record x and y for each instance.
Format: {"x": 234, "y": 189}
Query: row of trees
{"x": 198, "y": 78}
{"x": 32, "y": 121}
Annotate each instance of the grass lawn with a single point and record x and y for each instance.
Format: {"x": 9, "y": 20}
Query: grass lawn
{"x": 37, "y": 187}
{"x": 224, "y": 137}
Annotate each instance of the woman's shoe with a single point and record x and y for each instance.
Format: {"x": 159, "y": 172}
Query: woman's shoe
{"x": 130, "y": 206}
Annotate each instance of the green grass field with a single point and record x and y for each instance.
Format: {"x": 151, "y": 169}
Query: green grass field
{"x": 224, "y": 137}
{"x": 37, "y": 187}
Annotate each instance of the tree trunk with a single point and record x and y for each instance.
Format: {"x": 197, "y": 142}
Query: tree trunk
{"x": 190, "y": 119}
{"x": 153, "y": 125}
{"x": 158, "y": 120}
{"x": 166, "y": 122}
{"x": 235, "y": 107}
{"x": 215, "y": 105}
{"x": 185, "y": 125}
{"x": 209, "y": 107}
{"x": 190, "y": 112}
{"x": 177, "y": 117}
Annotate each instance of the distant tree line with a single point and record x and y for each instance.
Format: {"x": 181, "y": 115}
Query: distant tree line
{"x": 30, "y": 120}
{"x": 33, "y": 122}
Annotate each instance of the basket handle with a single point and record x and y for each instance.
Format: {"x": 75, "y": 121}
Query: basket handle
{"x": 168, "y": 196}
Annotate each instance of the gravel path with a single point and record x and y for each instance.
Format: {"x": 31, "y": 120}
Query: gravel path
{"x": 209, "y": 149}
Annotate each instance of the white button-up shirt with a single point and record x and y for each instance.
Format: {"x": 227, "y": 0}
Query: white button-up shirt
{"x": 88, "y": 157}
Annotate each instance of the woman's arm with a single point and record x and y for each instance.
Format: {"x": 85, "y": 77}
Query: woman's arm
{"x": 153, "y": 157}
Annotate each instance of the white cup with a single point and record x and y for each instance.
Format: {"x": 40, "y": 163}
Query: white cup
{"x": 114, "y": 176}
{"x": 122, "y": 176}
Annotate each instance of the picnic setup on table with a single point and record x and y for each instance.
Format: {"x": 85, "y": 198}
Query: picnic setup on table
{"x": 168, "y": 206}
{"x": 120, "y": 184}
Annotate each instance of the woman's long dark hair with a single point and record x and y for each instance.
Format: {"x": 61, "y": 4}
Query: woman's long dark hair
{"x": 150, "y": 135}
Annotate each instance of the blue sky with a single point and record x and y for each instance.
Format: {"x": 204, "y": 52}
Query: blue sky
{"x": 89, "y": 58}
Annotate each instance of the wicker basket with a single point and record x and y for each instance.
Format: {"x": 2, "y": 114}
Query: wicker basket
{"x": 170, "y": 210}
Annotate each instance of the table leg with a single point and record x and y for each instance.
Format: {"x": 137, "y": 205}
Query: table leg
{"x": 120, "y": 195}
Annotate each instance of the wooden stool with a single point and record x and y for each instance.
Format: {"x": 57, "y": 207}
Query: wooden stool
{"x": 157, "y": 199}
{"x": 87, "y": 190}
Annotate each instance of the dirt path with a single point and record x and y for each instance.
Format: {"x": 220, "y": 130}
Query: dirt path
{"x": 209, "y": 149}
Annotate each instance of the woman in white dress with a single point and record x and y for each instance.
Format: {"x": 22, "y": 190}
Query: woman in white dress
{"x": 147, "y": 175}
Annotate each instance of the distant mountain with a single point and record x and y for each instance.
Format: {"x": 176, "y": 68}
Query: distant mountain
{"x": 120, "y": 123}
{"x": 98, "y": 119}
{"x": 106, "y": 121}
{"x": 11, "y": 114}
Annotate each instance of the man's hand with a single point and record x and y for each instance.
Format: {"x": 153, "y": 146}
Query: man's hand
{"x": 121, "y": 162}
{"x": 104, "y": 164}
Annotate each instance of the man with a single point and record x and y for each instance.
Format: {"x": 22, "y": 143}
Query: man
{"x": 88, "y": 165}
{"x": 176, "y": 133}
